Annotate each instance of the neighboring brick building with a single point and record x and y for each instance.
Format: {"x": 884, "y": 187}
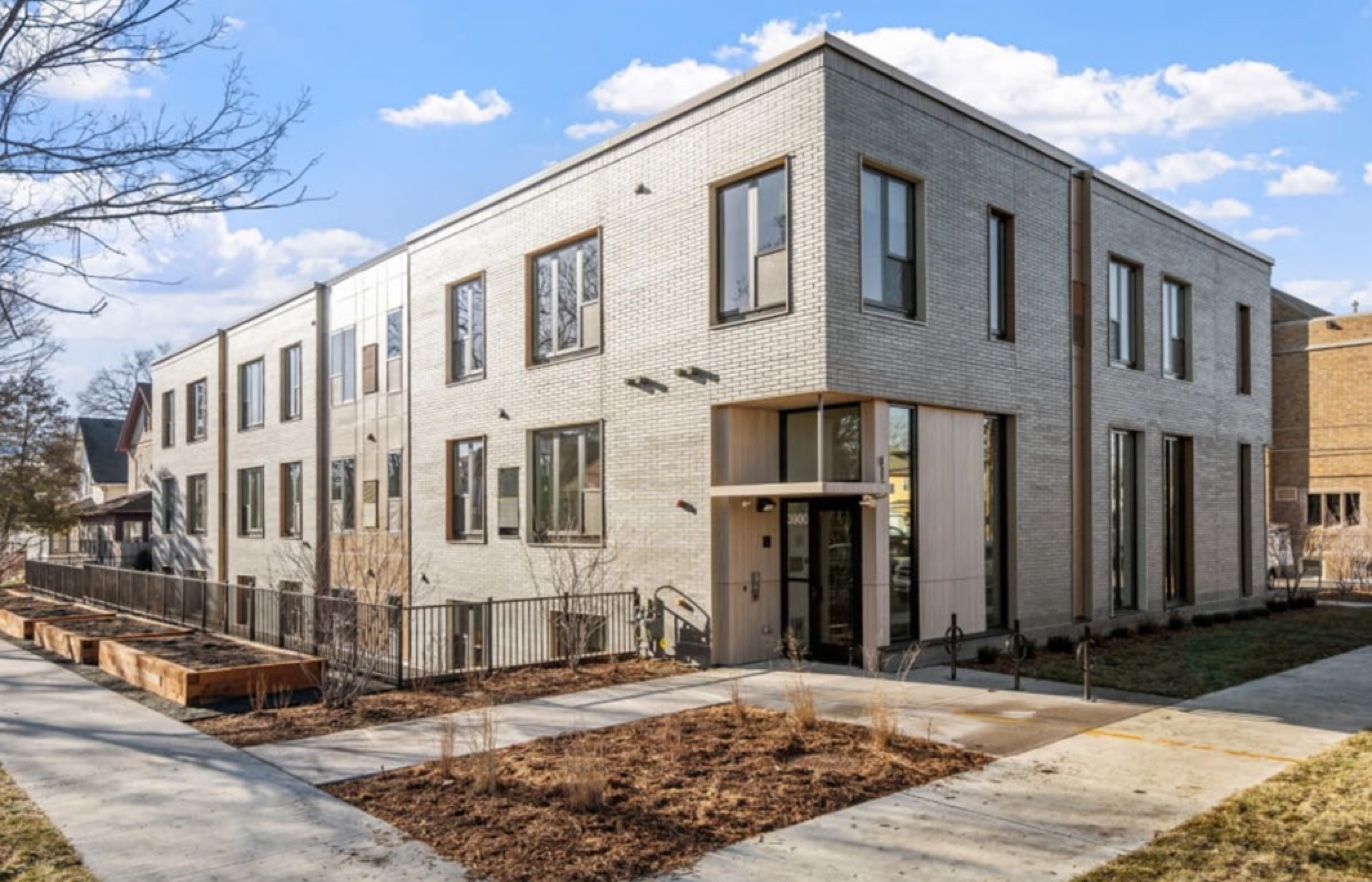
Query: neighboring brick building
{"x": 822, "y": 349}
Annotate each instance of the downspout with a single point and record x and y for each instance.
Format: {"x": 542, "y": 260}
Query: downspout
{"x": 222, "y": 342}
{"x": 323, "y": 576}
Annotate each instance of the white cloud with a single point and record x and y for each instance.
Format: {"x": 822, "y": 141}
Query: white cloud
{"x": 582, "y": 131}
{"x": 233, "y": 24}
{"x": 1304, "y": 180}
{"x": 1220, "y": 210}
{"x": 1088, "y": 109}
{"x": 642, "y": 89}
{"x": 1178, "y": 169}
{"x": 1335, "y": 295}
{"x": 458, "y": 109}
{"x": 1367, "y": 174}
{"x": 1267, "y": 234}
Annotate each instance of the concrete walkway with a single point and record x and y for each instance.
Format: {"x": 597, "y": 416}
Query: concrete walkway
{"x": 1057, "y": 810}
{"x": 145, "y": 798}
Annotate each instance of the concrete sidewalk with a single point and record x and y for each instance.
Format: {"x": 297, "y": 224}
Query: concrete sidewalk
{"x": 1049, "y": 813}
{"x": 145, "y": 798}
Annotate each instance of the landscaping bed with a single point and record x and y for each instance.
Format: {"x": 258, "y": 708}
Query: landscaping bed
{"x": 671, "y": 790}
{"x": 18, "y": 620}
{"x": 1311, "y": 822}
{"x": 501, "y": 687}
{"x": 199, "y": 668}
{"x": 1194, "y": 660}
{"x": 80, "y": 640}
{"x": 31, "y": 848}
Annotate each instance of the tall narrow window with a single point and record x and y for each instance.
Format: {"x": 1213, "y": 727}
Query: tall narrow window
{"x": 507, "y": 501}
{"x": 1124, "y": 314}
{"x": 395, "y": 347}
{"x": 342, "y": 492}
{"x": 1124, "y": 521}
{"x": 250, "y": 502}
{"x": 1001, "y": 273}
{"x": 1244, "y": 348}
{"x": 566, "y": 473}
{"x": 292, "y": 500}
{"x": 467, "y": 335}
{"x": 395, "y": 489}
{"x": 1176, "y": 330}
{"x": 839, "y": 445}
{"x": 197, "y": 504}
{"x": 566, "y": 294}
{"x": 752, "y": 271}
{"x": 1314, "y": 510}
{"x": 1176, "y": 503}
{"x": 1245, "y": 519}
{"x": 993, "y": 476}
{"x": 168, "y": 505}
{"x": 197, "y": 411}
{"x": 467, "y": 477}
{"x": 292, "y": 383}
{"x": 343, "y": 366}
{"x": 900, "y": 459}
{"x": 371, "y": 504}
{"x": 168, "y": 418}
{"x": 369, "y": 369}
{"x": 250, "y": 395}
{"x": 888, "y": 243}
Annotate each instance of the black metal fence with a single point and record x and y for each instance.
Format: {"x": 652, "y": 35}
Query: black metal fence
{"x": 389, "y": 641}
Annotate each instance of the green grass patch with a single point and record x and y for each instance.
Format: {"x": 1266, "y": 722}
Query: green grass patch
{"x": 1194, "y": 661}
{"x": 1311, "y": 822}
{"x": 31, "y": 849}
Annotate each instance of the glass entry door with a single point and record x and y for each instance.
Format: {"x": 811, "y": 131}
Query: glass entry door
{"x": 822, "y": 604}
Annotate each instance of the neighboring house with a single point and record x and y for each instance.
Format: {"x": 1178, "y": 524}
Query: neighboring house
{"x": 112, "y": 518}
{"x": 1320, "y": 463}
{"x": 823, "y": 349}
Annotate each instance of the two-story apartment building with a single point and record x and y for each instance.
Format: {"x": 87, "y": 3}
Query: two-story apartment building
{"x": 823, "y": 349}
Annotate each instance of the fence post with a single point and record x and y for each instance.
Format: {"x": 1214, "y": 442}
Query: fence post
{"x": 399, "y": 617}
{"x": 224, "y": 608}
{"x": 487, "y": 629}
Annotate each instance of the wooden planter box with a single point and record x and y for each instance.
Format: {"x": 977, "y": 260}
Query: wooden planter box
{"x": 80, "y": 641}
{"x": 18, "y": 621}
{"x": 138, "y": 662}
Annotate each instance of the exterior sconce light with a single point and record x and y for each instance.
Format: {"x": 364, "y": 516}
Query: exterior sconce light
{"x": 765, "y": 504}
{"x": 502, "y": 414}
{"x": 642, "y": 190}
{"x": 638, "y": 382}
{"x": 371, "y": 437}
{"x": 690, "y": 373}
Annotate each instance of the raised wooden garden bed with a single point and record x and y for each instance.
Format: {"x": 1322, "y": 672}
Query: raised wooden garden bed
{"x": 80, "y": 640}
{"x": 18, "y": 619}
{"x": 203, "y": 668}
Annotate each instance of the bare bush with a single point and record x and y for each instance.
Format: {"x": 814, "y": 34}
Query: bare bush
{"x": 803, "y": 713}
{"x": 883, "y": 725}
{"x": 258, "y": 693}
{"x": 447, "y": 746}
{"x": 586, "y": 779}
{"x": 480, "y": 737}
{"x": 578, "y": 575}
{"x": 737, "y": 705}
{"x": 673, "y": 740}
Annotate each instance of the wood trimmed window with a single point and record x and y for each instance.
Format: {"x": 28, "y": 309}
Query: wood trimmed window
{"x": 467, "y": 329}
{"x": 250, "y": 508}
{"x": 507, "y": 501}
{"x": 292, "y": 500}
{"x": 251, "y": 390}
{"x": 564, "y": 299}
{"x": 395, "y": 490}
{"x": 891, "y": 209}
{"x": 1000, "y": 273}
{"x": 752, "y": 252}
{"x": 292, "y": 383}
{"x": 342, "y": 495}
{"x": 467, "y": 490}
{"x": 168, "y": 505}
{"x": 197, "y": 504}
{"x": 197, "y": 410}
{"x": 169, "y": 418}
{"x": 565, "y": 477}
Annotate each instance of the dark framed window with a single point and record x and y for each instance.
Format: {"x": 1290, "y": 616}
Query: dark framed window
{"x": 889, "y": 238}
{"x": 197, "y": 504}
{"x": 1000, "y": 262}
{"x": 994, "y": 507}
{"x": 568, "y": 504}
{"x": 467, "y": 329}
{"x": 467, "y": 480}
{"x": 753, "y": 267}
{"x": 1244, "y": 350}
{"x": 197, "y": 411}
{"x": 343, "y": 494}
{"x": 250, "y": 491}
{"x": 841, "y": 443}
{"x": 168, "y": 505}
{"x": 1124, "y": 521}
{"x": 566, "y": 299}
{"x": 251, "y": 390}
{"x": 395, "y": 334}
{"x": 1333, "y": 509}
{"x": 169, "y": 418}
{"x": 292, "y": 383}
{"x": 902, "y": 470}
{"x": 1176, "y": 506}
{"x": 507, "y": 501}
{"x": 1125, "y": 314}
{"x": 1245, "y": 519}
{"x": 395, "y": 461}
{"x": 1176, "y": 330}
{"x": 292, "y": 500}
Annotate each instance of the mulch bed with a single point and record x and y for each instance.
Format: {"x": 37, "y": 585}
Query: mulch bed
{"x": 678, "y": 787}
{"x": 502, "y": 687}
{"x": 19, "y": 602}
{"x": 51, "y": 611}
{"x": 118, "y": 626}
{"x": 201, "y": 652}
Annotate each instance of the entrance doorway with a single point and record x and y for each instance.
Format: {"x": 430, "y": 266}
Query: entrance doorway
{"x": 822, "y": 567}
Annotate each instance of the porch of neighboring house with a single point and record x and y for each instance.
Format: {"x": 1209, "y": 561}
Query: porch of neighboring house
{"x": 115, "y": 533}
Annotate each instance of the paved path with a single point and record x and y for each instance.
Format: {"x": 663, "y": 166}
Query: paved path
{"x": 1049, "y": 813}
{"x": 145, "y": 798}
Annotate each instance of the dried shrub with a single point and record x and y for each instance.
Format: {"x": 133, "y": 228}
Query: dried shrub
{"x": 673, "y": 741}
{"x": 586, "y": 780}
{"x": 737, "y": 706}
{"x": 803, "y": 713}
{"x": 447, "y": 746}
{"x": 259, "y": 692}
{"x": 480, "y": 738}
{"x": 883, "y": 725}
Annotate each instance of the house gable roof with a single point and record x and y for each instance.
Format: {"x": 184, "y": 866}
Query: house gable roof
{"x": 100, "y": 439}
{"x": 142, "y": 399}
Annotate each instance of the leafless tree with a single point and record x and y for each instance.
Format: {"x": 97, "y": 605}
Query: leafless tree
{"x": 111, "y": 389}
{"x": 578, "y": 576}
{"x": 73, "y": 175}
{"x": 1348, "y": 560}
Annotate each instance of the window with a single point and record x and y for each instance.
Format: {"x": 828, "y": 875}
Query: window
{"x": 250, "y": 502}
{"x": 752, "y": 271}
{"x": 1245, "y": 519}
{"x": 507, "y": 501}
{"x": 1124, "y": 314}
{"x": 197, "y": 411}
{"x": 371, "y": 516}
{"x": 1176, "y": 504}
{"x": 467, "y": 329}
{"x": 1001, "y": 274}
{"x": 370, "y": 382}
{"x": 250, "y": 389}
{"x": 1245, "y": 350}
{"x": 343, "y": 366}
{"x": 841, "y": 443}
{"x": 395, "y": 488}
{"x": 168, "y": 418}
{"x": 1124, "y": 521}
{"x": 342, "y": 487}
{"x": 197, "y": 504}
{"x": 168, "y": 505}
{"x": 566, "y": 470}
{"x": 566, "y": 288}
{"x": 394, "y": 334}
{"x": 1176, "y": 330}
{"x": 292, "y": 500}
{"x": 467, "y": 479}
{"x": 889, "y": 243}
{"x": 292, "y": 383}
{"x": 994, "y": 507}
{"x": 900, "y": 458}
{"x": 1333, "y": 509}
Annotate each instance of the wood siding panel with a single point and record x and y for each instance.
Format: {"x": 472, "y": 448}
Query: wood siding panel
{"x": 952, "y": 567}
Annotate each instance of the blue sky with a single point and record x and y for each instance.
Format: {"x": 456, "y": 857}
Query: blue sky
{"x": 1256, "y": 117}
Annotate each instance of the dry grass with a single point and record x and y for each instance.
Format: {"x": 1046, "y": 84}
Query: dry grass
{"x": 880, "y": 721}
{"x": 803, "y": 713}
{"x": 586, "y": 778}
{"x": 31, "y": 849}
{"x": 481, "y": 746}
{"x": 673, "y": 741}
{"x": 1313, "y": 822}
{"x": 447, "y": 747}
{"x": 737, "y": 706}
{"x": 258, "y": 694}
